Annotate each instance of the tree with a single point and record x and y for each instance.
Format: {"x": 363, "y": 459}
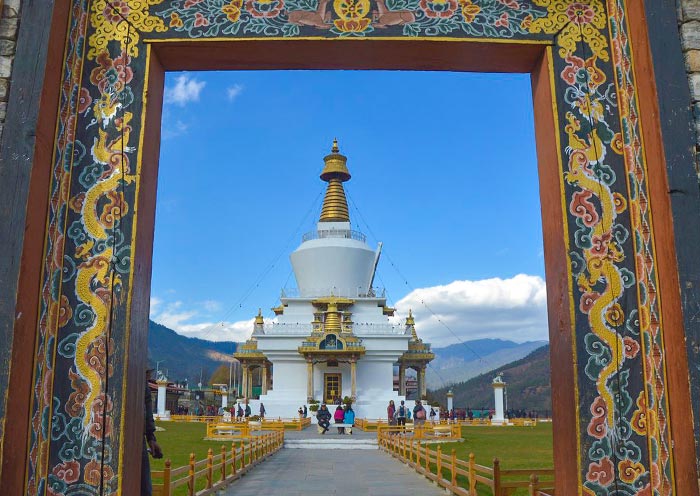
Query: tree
{"x": 220, "y": 375}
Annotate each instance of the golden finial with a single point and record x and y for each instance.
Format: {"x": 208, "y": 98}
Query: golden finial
{"x": 335, "y": 173}
{"x": 410, "y": 320}
{"x": 411, "y": 324}
{"x": 259, "y": 317}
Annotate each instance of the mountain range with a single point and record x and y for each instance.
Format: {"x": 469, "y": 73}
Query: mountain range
{"x": 466, "y": 367}
{"x": 462, "y": 361}
{"x": 184, "y": 358}
{"x": 527, "y": 386}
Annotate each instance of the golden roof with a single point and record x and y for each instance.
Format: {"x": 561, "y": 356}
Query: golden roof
{"x": 418, "y": 351}
{"x": 259, "y": 318}
{"x": 411, "y": 324}
{"x": 249, "y": 350}
{"x": 335, "y": 173}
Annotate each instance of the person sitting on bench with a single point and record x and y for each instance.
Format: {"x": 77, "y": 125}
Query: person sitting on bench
{"x": 349, "y": 418}
{"x": 324, "y": 417}
{"x": 338, "y": 416}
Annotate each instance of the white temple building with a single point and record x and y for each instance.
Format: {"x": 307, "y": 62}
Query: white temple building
{"x": 333, "y": 337}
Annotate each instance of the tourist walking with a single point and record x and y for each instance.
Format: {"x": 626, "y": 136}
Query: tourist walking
{"x": 390, "y": 412}
{"x": 400, "y": 415}
{"x": 419, "y": 414}
{"x": 247, "y": 409}
{"x": 262, "y": 411}
{"x": 349, "y": 418}
{"x": 306, "y": 412}
{"x": 150, "y": 445}
{"x": 432, "y": 415}
{"x": 239, "y": 412}
{"x": 324, "y": 418}
{"x": 339, "y": 416}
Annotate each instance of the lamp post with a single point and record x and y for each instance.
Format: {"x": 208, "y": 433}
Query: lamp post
{"x": 158, "y": 362}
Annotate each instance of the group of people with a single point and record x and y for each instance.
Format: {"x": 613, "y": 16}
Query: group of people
{"x": 343, "y": 415}
{"x": 303, "y": 412}
{"x": 398, "y": 416}
{"x": 244, "y": 413}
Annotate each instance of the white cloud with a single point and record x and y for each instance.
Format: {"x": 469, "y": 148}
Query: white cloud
{"x": 211, "y": 305}
{"x": 218, "y": 331}
{"x": 172, "y": 129}
{"x": 171, "y": 314}
{"x": 174, "y": 316}
{"x": 155, "y": 304}
{"x": 233, "y": 91}
{"x": 186, "y": 90}
{"x": 514, "y": 309}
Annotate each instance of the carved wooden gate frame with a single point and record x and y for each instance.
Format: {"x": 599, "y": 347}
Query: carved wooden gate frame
{"x": 621, "y": 400}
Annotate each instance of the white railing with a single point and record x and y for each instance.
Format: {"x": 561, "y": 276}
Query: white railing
{"x": 358, "y": 292}
{"x": 359, "y": 329}
{"x": 291, "y": 329}
{"x": 334, "y": 233}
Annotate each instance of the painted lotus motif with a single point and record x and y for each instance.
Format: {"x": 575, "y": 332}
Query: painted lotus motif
{"x": 264, "y": 8}
{"x": 439, "y": 8}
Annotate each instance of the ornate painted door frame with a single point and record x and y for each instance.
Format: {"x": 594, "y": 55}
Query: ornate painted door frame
{"x": 618, "y": 404}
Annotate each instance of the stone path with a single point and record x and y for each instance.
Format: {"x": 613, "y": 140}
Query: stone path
{"x": 332, "y": 472}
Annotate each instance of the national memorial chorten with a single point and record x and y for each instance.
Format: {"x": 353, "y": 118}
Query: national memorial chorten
{"x": 333, "y": 338}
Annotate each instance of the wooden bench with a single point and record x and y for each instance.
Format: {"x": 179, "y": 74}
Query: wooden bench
{"x": 348, "y": 428}
{"x": 442, "y": 430}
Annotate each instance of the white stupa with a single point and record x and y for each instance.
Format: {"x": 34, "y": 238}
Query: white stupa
{"x": 333, "y": 339}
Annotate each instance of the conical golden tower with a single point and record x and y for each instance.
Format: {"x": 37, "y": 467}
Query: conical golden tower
{"x": 335, "y": 173}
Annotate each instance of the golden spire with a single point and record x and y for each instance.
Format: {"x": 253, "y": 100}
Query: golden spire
{"x": 259, "y": 317}
{"x": 335, "y": 173}
{"x": 411, "y": 324}
{"x": 410, "y": 320}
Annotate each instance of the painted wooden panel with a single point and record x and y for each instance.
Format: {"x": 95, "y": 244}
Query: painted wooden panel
{"x": 78, "y": 410}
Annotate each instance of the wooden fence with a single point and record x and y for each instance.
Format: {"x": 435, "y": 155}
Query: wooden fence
{"x": 280, "y": 423}
{"x": 231, "y": 431}
{"x": 196, "y": 418}
{"x": 216, "y": 471}
{"x": 464, "y": 478}
{"x": 228, "y": 431}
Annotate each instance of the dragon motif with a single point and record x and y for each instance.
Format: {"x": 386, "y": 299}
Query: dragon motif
{"x": 95, "y": 276}
{"x": 600, "y": 260}
{"x": 93, "y": 287}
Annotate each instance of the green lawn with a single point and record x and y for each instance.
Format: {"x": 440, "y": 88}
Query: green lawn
{"x": 178, "y": 440}
{"x": 515, "y": 448}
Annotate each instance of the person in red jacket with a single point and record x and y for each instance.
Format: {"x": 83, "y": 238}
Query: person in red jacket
{"x": 339, "y": 417}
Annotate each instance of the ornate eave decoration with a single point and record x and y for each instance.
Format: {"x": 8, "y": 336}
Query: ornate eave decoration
{"x": 249, "y": 352}
{"x": 418, "y": 351}
{"x": 329, "y": 344}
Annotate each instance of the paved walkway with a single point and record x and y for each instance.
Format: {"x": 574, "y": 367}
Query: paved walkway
{"x": 332, "y": 472}
{"x": 311, "y": 432}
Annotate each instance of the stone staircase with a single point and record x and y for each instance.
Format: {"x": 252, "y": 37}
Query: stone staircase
{"x": 332, "y": 442}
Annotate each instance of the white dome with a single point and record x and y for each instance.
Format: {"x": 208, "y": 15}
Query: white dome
{"x": 336, "y": 262}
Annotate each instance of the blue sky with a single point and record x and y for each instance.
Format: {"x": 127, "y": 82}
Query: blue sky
{"x": 444, "y": 174}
